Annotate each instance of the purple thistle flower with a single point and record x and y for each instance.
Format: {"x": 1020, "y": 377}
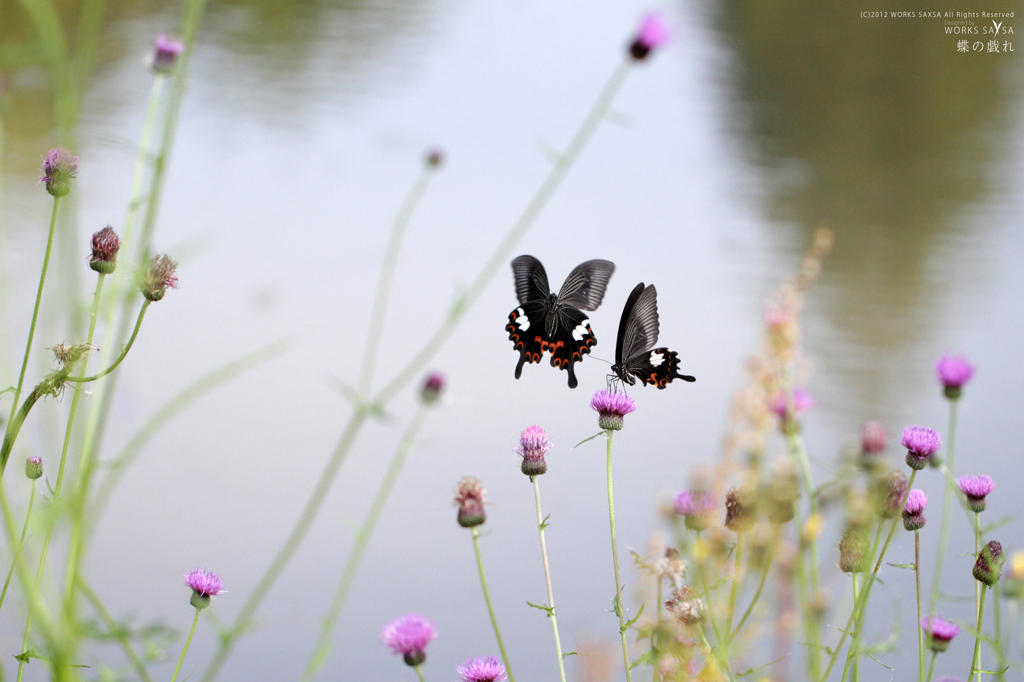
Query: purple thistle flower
{"x": 59, "y": 168}
{"x": 409, "y": 636}
{"x": 432, "y": 388}
{"x": 921, "y": 443}
{"x": 652, "y": 34}
{"x": 105, "y": 245}
{"x": 789, "y": 418}
{"x": 976, "y": 488}
{"x": 533, "y": 445}
{"x": 695, "y": 506}
{"x": 953, "y": 373}
{"x": 611, "y": 407}
{"x": 481, "y": 670}
{"x": 161, "y": 275}
{"x": 873, "y": 438}
{"x": 913, "y": 511}
{"x": 168, "y": 49}
{"x": 469, "y": 498}
{"x": 938, "y": 632}
{"x": 204, "y": 585}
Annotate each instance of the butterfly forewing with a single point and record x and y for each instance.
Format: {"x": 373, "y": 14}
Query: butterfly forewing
{"x": 585, "y": 286}
{"x": 531, "y": 279}
{"x": 638, "y": 332}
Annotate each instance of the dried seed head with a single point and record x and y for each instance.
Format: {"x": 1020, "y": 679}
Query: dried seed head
{"x": 739, "y": 510}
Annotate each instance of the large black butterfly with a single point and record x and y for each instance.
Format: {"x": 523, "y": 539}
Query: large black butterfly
{"x": 638, "y": 332}
{"x": 554, "y": 322}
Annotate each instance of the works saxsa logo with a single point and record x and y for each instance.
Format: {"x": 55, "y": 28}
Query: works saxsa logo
{"x": 996, "y": 29}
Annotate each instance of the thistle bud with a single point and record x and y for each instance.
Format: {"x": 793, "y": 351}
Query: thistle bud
{"x": 105, "y": 245}
{"x": 953, "y": 373}
{"x": 435, "y": 157}
{"x": 739, "y": 510}
{"x": 938, "y": 632}
{"x": 685, "y": 606}
{"x": 989, "y": 564}
{"x": 432, "y": 388}
{"x": 913, "y": 511}
{"x": 469, "y": 498}
{"x": 166, "y": 53}
{"x": 695, "y": 506}
{"x": 161, "y": 275}
{"x": 59, "y": 168}
{"x": 853, "y": 551}
{"x": 890, "y": 491}
{"x": 780, "y": 497}
{"x": 34, "y": 467}
{"x": 653, "y": 33}
{"x": 533, "y": 445}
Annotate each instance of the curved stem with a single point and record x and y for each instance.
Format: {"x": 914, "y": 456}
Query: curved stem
{"x": 757, "y": 595}
{"x": 547, "y": 576}
{"x": 419, "y": 672}
{"x": 21, "y": 542}
{"x": 181, "y": 659}
{"x": 619, "y": 609}
{"x": 115, "y": 630}
{"x": 14, "y": 427}
{"x": 947, "y": 510}
{"x": 931, "y": 666}
{"x": 355, "y": 556}
{"x": 487, "y": 598}
{"x": 976, "y": 659}
{"x": 35, "y": 314}
{"x": 124, "y": 351}
{"x": 920, "y": 630}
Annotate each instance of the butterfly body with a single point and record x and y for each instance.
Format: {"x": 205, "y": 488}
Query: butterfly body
{"x": 547, "y": 322}
{"x": 635, "y": 356}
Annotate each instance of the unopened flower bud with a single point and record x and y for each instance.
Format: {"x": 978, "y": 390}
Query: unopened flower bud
{"x": 913, "y": 511}
{"x": 739, "y": 510}
{"x": 161, "y": 275}
{"x": 853, "y": 551}
{"x": 105, "y": 245}
{"x": 989, "y": 564}
{"x": 432, "y": 388}
{"x": 469, "y": 498}
{"x": 873, "y": 441}
{"x": 166, "y": 53}
{"x": 533, "y": 445}
{"x": 435, "y": 157}
{"x": 653, "y": 33}
{"x": 780, "y": 496}
{"x": 59, "y": 168}
{"x": 34, "y": 467}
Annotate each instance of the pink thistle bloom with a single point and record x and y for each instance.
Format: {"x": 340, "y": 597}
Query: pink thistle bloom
{"x": 611, "y": 407}
{"x": 976, "y": 488}
{"x": 204, "y": 585}
{"x": 432, "y": 388}
{"x": 695, "y": 506}
{"x": 166, "y": 54}
{"x": 921, "y": 443}
{"x": 802, "y": 401}
{"x": 953, "y": 373}
{"x": 409, "y": 636}
{"x": 938, "y": 632}
{"x": 913, "y": 511}
{"x": 533, "y": 445}
{"x": 873, "y": 438}
{"x": 652, "y": 34}
{"x": 161, "y": 275}
{"x": 469, "y": 498}
{"x": 481, "y": 670}
{"x": 59, "y": 167}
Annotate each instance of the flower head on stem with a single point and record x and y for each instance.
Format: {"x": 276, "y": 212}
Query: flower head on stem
{"x": 873, "y": 440}
{"x": 60, "y": 167}
{"x": 611, "y": 408}
{"x": 533, "y": 445}
{"x": 938, "y": 632}
{"x": 481, "y": 670}
{"x": 739, "y": 510}
{"x": 891, "y": 490}
{"x": 652, "y": 34}
{"x": 788, "y": 412}
{"x": 686, "y": 606}
{"x": 469, "y": 498}
{"x": 166, "y": 53}
{"x": 853, "y": 551}
{"x": 976, "y": 488}
{"x": 989, "y": 563}
{"x": 921, "y": 443}
{"x": 695, "y": 506}
{"x": 953, "y": 373}
{"x": 432, "y": 388}
{"x": 105, "y": 245}
{"x": 34, "y": 467}
{"x": 913, "y": 511}
{"x": 162, "y": 274}
{"x": 409, "y": 636}
{"x": 204, "y": 585}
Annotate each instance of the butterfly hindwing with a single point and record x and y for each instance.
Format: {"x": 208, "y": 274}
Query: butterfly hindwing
{"x": 638, "y": 332}
{"x": 526, "y": 332}
{"x": 572, "y": 340}
{"x": 658, "y": 367}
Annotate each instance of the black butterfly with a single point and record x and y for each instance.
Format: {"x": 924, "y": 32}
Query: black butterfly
{"x": 554, "y": 322}
{"x": 638, "y": 332}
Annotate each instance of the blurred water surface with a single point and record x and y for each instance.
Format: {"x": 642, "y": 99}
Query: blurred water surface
{"x": 304, "y": 125}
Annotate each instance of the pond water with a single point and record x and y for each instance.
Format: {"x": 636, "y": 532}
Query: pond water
{"x": 303, "y": 128}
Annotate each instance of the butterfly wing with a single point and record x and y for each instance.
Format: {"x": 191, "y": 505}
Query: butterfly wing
{"x": 585, "y": 286}
{"x": 658, "y": 367}
{"x": 526, "y": 332}
{"x": 531, "y": 279}
{"x": 638, "y": 332}
{"x": 571, "y": 340}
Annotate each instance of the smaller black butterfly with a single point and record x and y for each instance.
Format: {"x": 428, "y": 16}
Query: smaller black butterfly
{"x": 638, "y": 332}
{"x": 554, "y": 322}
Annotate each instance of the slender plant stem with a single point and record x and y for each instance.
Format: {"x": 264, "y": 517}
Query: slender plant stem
{"x": 487, "y": 598}
{"x": 14, "y": 427}
{"x": 134, "y": 197}
{"x": 931, "y": 666}
{"x": 115, "y": 631}
{"x": 757, "y": 595}
{"x": 920, "y": 630}
{"x": 859, "y": 606}
{"x": 947, "y": 510}
{"x": 997, "y": 639}
{"x": 419, "y": 672}
{"x": 656, "y": 675}
{"x": 355, "y": 556}
{"x": 547, "y": 576}
{"x": 387, "y": 276}
{"x": 721, "y": 645}
{"x": 855, "y": 643}
{"x": 976, "y": 659}
{"x": 619, "y": 608}
{"x": 124, "y": 351}
{"x": 188, "y": 640}
{"x": 735, "y": 587}
{"x": 799, "y": 453}
{"x": 977, "y": 551}
{"x": 21, "y": 542}
{"x": 35, "y": 315}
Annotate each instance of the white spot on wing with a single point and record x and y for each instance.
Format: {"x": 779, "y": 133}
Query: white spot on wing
{"x": 580, "y": 331}
{"x": 657, "y": 359}
{"x": 523, "y": 322}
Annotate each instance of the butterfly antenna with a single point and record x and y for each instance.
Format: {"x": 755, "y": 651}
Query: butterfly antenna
{"x": 601, "y": 359}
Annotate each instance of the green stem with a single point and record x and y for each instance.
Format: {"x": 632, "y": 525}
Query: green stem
{"x": 134, "y": 198}
{"x": 976, "y": 659}
{"x": 619, "y": 609}
{"x": 735, "y": 587}
{"x": 855, "y": 643}
{"x": 419, "y": 672}
{"x": 115, "y": 631}
{"x": 859, "y": 606}
{"x": 487, "y": 598}
{"x": 35, "y": 315}
{"x": 947, "y": 510}
{"x": 386, "y": 277}
{"x": 799, "y": 453}
{"x": 920, "y": 630}
{"x": 547, "y": 576}
{"x": 21, "y": 542}
{"x": 181, "y": 659}
{"x": 124, "y": 351}
{"x": 323, "y": 644}
{"x": 14, "y": 427}
{"x": 977, "y": 551}
{"x": 760, "y": 587}
{"x": 722, "y": 653}
{"x": 997, "y": 641}
{"x": 931, "y": 666}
